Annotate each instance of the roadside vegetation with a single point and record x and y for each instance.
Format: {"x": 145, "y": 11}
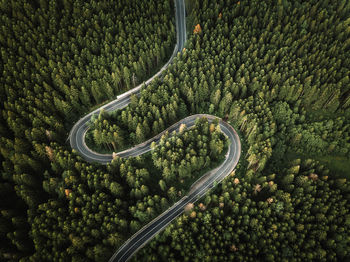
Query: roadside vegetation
{"x": 297, "y": 214}
{"x": 194, "y": 151}
{"x": 277, "y": 70}
{"x": 93, "y": 211}
{"x": 59, "y": 59}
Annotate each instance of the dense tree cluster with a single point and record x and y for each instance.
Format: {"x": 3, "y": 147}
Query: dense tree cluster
{"x": 295, "y": 214}
{"x": 158, "y": 107}
{"x": 60, "y": 53}
{"x": 286, "y": 91}
{"x": 181, "y": 157}
{"x": 290, "y": 52}
{"x": 278, "y": 71}
{"x": 330, "y": 136}
{"x": 60, "y": 58}
{"x": 87, "y": 211}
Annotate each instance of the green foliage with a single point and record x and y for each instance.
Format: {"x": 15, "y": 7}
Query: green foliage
{"x": 310, "y": 221}
{"x": 59, "y": 58}
{"x": 181, "y": 156}
{"x": 278, "y": 71}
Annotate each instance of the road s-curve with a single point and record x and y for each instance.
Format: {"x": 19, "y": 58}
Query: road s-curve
{"x": 78, "y": 131}
{"x": 198, "y": 189}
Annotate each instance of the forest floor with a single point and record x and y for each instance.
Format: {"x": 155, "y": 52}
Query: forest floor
{"x": 338, "y": 165}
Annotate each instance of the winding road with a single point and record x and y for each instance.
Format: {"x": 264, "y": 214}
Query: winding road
{"x": 198, "y": 189}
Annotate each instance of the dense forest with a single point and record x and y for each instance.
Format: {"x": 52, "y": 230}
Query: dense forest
{"x": 295, "y": 215}
{"x": 277, "y": 71}
{"x": 58, "y": 60}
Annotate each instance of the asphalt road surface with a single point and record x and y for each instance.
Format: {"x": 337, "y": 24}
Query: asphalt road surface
{"x": 198, "y": 189}
{"x": 78, "y": 131}
{"x": 145, "y": 234}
